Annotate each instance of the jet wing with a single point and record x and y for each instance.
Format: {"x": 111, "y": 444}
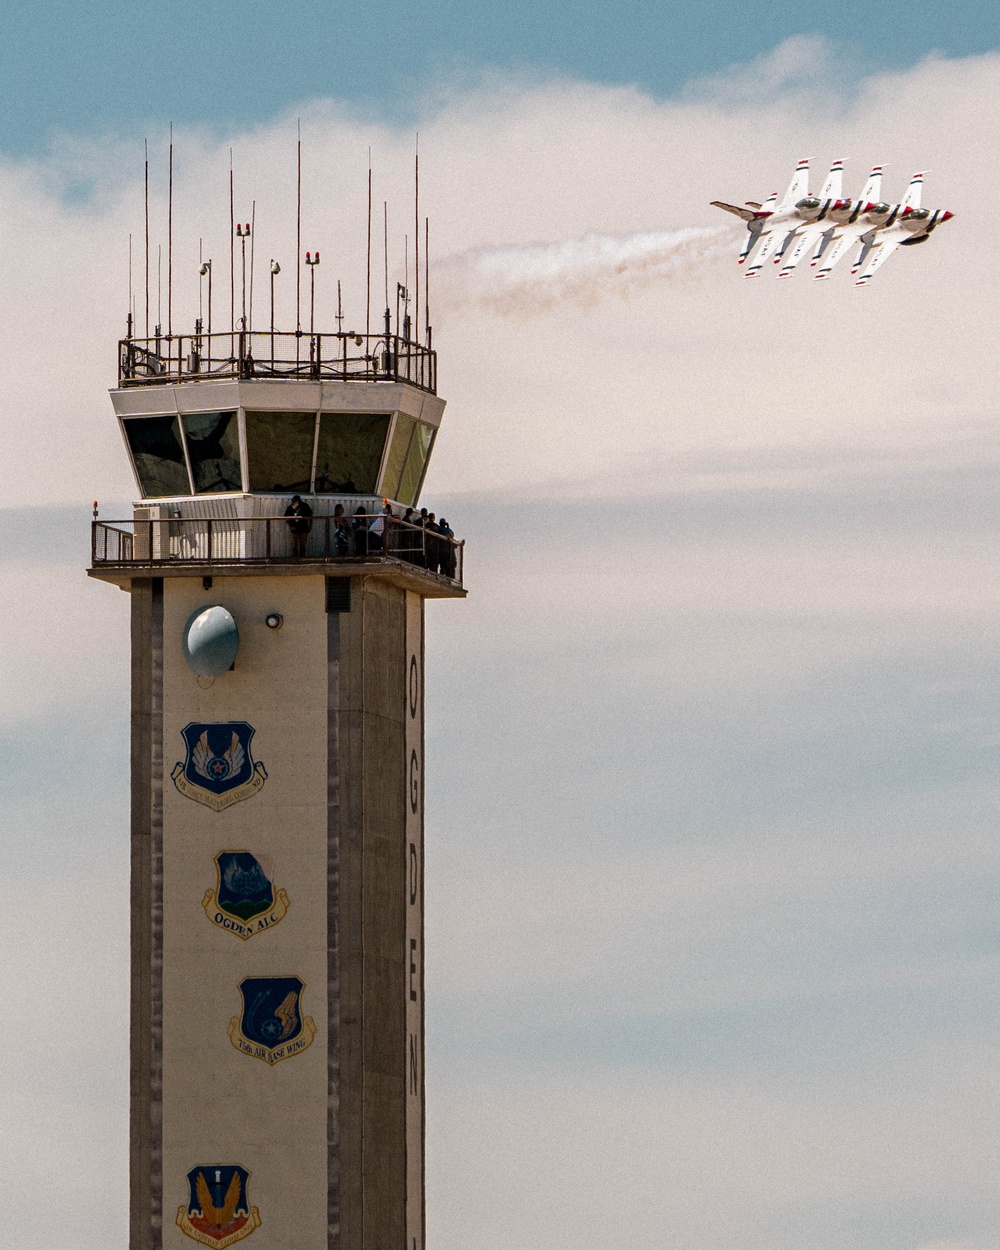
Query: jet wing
{"x": 772, "y": 239}
{"x": 843, "y": 238}
{"x": 748, "y": 214}
{"x": 880, "y": 253}
{"x": 805, "y": 241}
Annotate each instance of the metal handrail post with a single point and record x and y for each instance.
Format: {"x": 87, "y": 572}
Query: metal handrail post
{"x": 209, "y": 557}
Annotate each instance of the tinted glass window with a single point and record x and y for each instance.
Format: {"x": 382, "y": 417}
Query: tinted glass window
{"x": 213, "y": 443}
{"x": 279, "y": 450}
{"x": 156, "y": 448}
{"x": 420, "y": 449}
{"x": 397, "y": 456}
{"x": 350, "y": 452}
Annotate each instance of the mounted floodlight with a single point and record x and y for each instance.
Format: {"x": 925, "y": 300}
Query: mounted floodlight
{"x": 205, "y": 268}
{"x": 275, "y": 267}
{"x": 210, "y": 641}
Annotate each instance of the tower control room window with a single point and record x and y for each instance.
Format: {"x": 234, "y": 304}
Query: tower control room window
{"x": 349, "y": 452}
{"x": 407, "y": 459}
{"x": 396, "y": 458}
{"x": 158, "y": 455}
{"x": 280, "y": 451}
{"x": 213, "y": 443}
{"x": 416, "y": 461}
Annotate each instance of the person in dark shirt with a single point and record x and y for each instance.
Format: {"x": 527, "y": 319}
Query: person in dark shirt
{"x": 299, "y": 522}
{"x": 447, "y": 548}
{"x": 432, "y": 543}
{"x": 361, "y": 532}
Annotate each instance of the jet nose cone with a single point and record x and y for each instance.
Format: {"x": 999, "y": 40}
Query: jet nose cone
{"x": 946, "y": 215}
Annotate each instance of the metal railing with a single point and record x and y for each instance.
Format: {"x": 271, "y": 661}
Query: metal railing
{"x": 241, "y": 540}
{"x": 262, "y": 354}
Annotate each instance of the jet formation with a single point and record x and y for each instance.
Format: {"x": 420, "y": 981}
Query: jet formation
{"x": 826, "y": 226}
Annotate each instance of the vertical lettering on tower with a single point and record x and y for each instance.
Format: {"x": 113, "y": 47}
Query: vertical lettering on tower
{"x": 413, "y": 884}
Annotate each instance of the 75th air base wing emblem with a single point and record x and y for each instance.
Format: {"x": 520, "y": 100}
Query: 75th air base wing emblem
{"x": 219, "y": 770}
{"x": 272, "y": 1026}
{"x": 244, "y": 900}
{"x": 217, "y": 1212}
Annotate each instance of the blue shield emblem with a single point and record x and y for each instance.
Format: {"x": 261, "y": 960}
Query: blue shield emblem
{"x": 217, "y": 1211}
{"x": 219, "y": 769}
{"x": 272, "y": 1026}
{"x": 244, "y": 889}
{"x": 244, "y": 901}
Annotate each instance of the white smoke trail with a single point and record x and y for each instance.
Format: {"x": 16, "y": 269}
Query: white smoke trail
{"x": 534, "y": 278}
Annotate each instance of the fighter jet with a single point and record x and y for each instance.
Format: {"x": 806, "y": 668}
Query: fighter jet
{"x": 807, "y": 238}
{"x": 778, "y": 222}
{"x": 906, "y": 223}
{"x": 755, "y": 215}
{"x": 862, "y": 215}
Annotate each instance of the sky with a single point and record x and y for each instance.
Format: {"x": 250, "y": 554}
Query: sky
{"x": 712, "y": 745}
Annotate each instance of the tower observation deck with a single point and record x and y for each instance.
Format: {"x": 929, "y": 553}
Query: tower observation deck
{"x": 223, "y": 430}
{"x": 277, "y": 592}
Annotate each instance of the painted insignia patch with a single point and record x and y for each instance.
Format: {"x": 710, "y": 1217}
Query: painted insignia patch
{"x": 272, "y": 1026}
{"x": 217, "y": 1213}
{"x": 219, "y": 770}
{"x": 244, "y": 900}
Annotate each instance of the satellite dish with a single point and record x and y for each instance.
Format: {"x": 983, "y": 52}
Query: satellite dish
{"x": 210, "y": 641}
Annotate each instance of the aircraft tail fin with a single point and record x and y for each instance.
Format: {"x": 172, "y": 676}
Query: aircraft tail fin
{"x": 914, "y": 191}
{"x": 873, "y": 187}
{"x": 833, "y": 188}
{"x": 799, "y": 186}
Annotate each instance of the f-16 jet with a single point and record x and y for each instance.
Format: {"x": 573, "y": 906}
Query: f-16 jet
{"x": 905, "y": 224}
{"x": 771, "y": 224}
{"x": 855, "y": 219}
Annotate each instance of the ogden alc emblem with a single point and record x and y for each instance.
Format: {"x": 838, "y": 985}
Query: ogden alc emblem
{"x": 244, "y": 900}
{"x": 219, "y": 770}
{"x": 217, "y": 1212}
{"x": 272, "y": 1026}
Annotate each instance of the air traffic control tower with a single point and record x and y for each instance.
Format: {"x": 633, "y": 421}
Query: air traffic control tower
{"x": 277, "y": 1050}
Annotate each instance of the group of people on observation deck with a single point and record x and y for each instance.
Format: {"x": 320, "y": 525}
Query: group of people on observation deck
{"x": 416, "y": 537}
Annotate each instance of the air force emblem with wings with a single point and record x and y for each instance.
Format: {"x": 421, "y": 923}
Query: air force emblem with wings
{"x": 219, "y": 770}
{"x": 272, "y": 1026}
{"x": 217, "y": 1211}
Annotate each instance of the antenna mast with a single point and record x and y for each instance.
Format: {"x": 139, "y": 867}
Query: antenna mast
{"x": 170, "y": 235}
{"x": 298, "y": 232}
{"x": 146, "y": 148}
{"x": 232, "y": 255}
{"x": 253, "y": 232}
{"x": 416, "y": 234}
{"x": 368, "y": 281}
{"x": 427, "y": 279}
